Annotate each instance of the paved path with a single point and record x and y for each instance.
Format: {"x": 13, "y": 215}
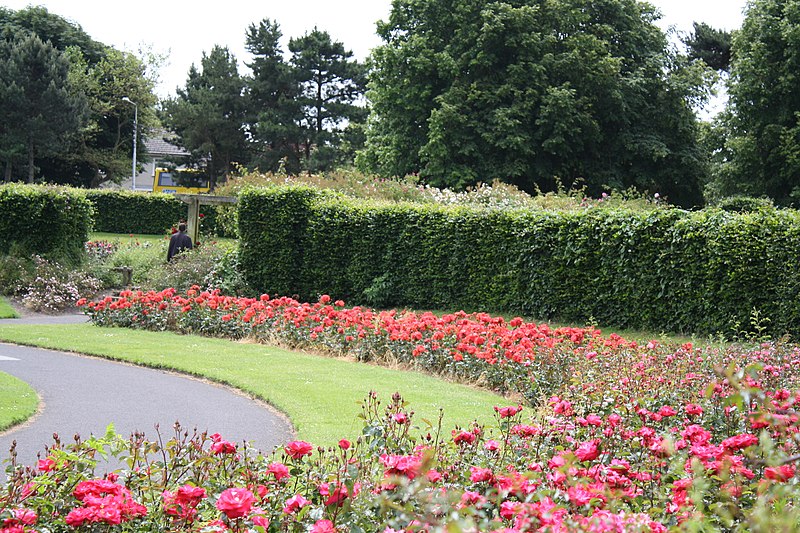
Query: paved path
{"x": 84, "y": 394}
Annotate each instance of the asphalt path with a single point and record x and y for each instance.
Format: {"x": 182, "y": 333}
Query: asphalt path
{"x": 82, "y": 395}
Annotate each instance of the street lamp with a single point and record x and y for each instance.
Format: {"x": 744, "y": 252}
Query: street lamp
{"x": 135, "y": 129}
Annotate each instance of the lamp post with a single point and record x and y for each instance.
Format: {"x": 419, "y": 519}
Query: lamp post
{"x": 135, "y": 130}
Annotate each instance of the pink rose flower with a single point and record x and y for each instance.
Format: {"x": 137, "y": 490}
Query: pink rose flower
{"x": 298, "y": 449}
{"x": 235, "y": 502}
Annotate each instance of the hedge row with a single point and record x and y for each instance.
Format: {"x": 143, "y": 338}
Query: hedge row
{"x": 50, "y": 221}
{"x": 146, "y": 213}
{"x": 665, "y": 270}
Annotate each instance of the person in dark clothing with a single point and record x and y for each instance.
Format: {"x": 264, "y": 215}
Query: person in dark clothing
{"x": 179, "y": 242}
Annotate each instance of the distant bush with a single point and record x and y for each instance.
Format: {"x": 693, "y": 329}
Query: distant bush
{"x": 51, "y": 287}
{"x": 200, "y": 266}
{"x": 744, "y": 204}
{"x": 354, "y": 184}
{"x": 119, "y": 211}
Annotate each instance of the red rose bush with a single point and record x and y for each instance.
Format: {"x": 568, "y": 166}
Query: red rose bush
{"x": 503, "y": 355}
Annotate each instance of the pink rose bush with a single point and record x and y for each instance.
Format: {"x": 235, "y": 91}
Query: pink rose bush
{"x": 578, "y": 464}
{"x": 602, "y": 435}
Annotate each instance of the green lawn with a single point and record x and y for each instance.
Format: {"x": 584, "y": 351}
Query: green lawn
{"x": 320, "y": 395}
{"x": 125, "y": 238}
{"x": 6, "y": 311}
{"x": 18, "y": 401}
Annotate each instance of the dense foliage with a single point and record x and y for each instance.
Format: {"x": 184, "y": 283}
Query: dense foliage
{"x": 330, "y": 84}
{"x": 39, "y": 106}
{"x": 62, "y": 101}
{"x": 711, "y": 45}
{"x": 759, "y": 145}
{"x": 297, "y": 115}
{"x": 209, "y": 111}
{"x": 272, "y": 106}
{"x": 50, "y": 221}
{"x": 529, "y": 92}
{"x": 662, "y": 269}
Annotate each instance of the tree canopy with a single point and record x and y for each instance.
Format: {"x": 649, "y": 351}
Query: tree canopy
{"x": 534, "y": 92}
{"x": 711, "y": 45}
{"x": 758, "y": 150}
{"x": 330, "y": 82}
{"x": 299, "y": 114}
{"x": 90, "y": 139}
{"x": 272, "y": 101}
{"x": 38, "y": 105}
{"x": 208, "y": 114}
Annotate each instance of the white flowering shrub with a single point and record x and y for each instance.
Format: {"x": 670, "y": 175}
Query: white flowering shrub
{"x": 51, "y": 287}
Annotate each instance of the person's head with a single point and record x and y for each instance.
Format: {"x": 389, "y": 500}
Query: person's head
{"x": 182, "y": 227}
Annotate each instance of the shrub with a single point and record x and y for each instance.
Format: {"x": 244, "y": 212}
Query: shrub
{"x": 53, "y": 222}
{"x": 744, "y": 204}
{"x": 200, "y": 266}
{"x": 51, "y": 287}
{"x": 357, "y": 185}
{"x": 13, "y": 270}
{"x": 226, "y": 276}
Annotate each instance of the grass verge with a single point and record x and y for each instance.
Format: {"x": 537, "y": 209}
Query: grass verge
{"x": 18, "y": 401}
{"x": 6, "y": 311}
{"x": 321, "y": 395}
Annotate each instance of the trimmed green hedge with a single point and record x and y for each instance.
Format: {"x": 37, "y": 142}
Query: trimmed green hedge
{"x": 146, "y": 213}
{"x": 53, "y": 222}
{"x": 664, "y": 270}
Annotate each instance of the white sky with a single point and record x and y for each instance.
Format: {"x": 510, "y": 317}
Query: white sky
{"x": 185, "y": 30}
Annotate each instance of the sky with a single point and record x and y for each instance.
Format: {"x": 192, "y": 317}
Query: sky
{"x": 184, "y": 30}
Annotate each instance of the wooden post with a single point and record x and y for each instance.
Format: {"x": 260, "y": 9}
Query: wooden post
{"x": 195, "y": 201}
{"x": 193, "y": 220}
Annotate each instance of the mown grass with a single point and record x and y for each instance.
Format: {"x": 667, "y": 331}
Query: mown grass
{"x": 321, "y": 395}
{"x": 18, "y": 401}
{"x": 132, "y": 238}
{"x": 6, "y": 311}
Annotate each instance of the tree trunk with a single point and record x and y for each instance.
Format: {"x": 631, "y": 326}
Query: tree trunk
{"x": 30, "y": 160}
{"x": 7, "y": 177}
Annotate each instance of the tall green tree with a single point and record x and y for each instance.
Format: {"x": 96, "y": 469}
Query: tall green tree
{"x": 331, "y": 84}
{"x": 59, "y": 32}
{"x": 101, "y": 150}
{"x": 273, "y": 109}
{"x": 39, "y": 108}
{"x": 534, "y": 92}
{"x": 711, "y": 45}
{"x": 208, "y": 114}
{"x": 761, "y": 152}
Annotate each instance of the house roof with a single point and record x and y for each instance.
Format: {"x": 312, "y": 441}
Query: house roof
{"x": 158, "y": 144}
